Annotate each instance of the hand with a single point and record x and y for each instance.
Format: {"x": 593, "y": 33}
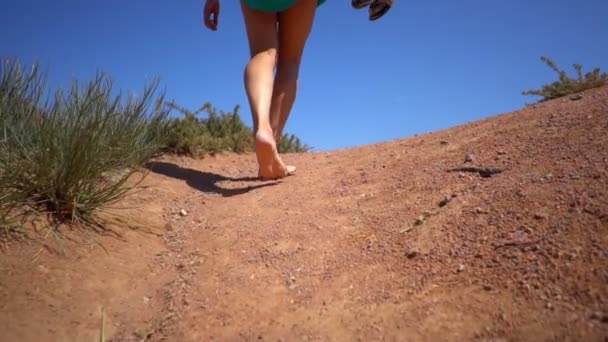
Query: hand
{"x": 212, "y": 8}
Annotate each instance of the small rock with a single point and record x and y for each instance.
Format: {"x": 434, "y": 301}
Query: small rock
{"x": 487, "y": 287}
{"x": 146, "y": 299}
{"x": 444, "y": 142}
{"x": 479, "y": 210}
{"x": 460, "y": 268}
{"x": 419, "y": 220}
{"x": 183, "y": 212}
{"x": 540, "y": 216}
{"x": 501, "y": 152}
{"x": 549, "y": 306}
{"x": 411, "y": 253}
{"x": 469, "y": 158}
{"x": 445, "y": 201}
{"x": 576, "y": 97}
{"x": 599, "y": 316}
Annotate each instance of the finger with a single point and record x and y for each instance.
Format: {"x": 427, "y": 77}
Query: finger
{"x": 206, "y": 16}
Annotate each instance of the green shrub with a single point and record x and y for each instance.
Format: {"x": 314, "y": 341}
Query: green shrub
{"x": 5, "y": 209}
{"x": 292, "y": 144}
{"x": 74, "y": 154}
{"x": 566, "y": 85}
{"x": 217, "y": 132}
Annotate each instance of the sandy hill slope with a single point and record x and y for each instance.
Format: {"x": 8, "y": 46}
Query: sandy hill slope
{"x": 399, "y": 241}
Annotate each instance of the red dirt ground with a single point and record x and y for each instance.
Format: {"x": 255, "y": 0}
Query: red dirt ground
{"x": 380, "y": 242}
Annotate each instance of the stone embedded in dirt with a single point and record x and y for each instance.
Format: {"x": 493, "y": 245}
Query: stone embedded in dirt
{"x": 487, "y": 287}
{"x": 183, "y": 212}
{"x": 460, "y": 268}
{"x": 540, "y": 216}
{"x": 479, "y": 210}
{"x": 484, "y": 172}
{"x": 412, "y": 253}
{"x": 469, "y": 158}
{"x": 576, "y": 97}
{"x": 501, "y": 152}
{"x": 599, "y": 316}
{"x": 419, "y": 220}
{"x": 445, "y": 201}
{"x": 444, "y": 142}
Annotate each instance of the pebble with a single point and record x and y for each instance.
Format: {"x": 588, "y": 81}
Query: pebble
{"x": 479, "y": 210}
{"x": 469, "y": 158}
{"x": 183, "y": 212}
{"x": 599, "y": 316}
{"x": 460, "y": 268}
{"x": 411, "y": 253}
{"x": 445, "y": 201}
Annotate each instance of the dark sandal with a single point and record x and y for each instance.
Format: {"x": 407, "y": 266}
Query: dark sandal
{"x": 379, "y": 8}
{"x": 359, "y": 4}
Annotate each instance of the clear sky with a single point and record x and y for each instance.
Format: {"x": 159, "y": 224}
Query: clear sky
{"x": 425, "y": 66}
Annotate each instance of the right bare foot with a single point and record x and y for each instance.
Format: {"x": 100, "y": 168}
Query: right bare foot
{"x": 271, "y": 165}
{"x": 277, "y": 140}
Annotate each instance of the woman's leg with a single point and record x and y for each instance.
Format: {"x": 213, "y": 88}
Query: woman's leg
{"x": 259, "y": 74}
{"x": 295, "y": 25}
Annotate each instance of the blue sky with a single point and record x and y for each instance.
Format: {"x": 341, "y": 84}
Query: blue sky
{"x": 425, "y": 66}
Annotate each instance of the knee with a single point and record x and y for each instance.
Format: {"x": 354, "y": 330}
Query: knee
{"x": 288, "y": 69}
{"x": 267, "y": 58}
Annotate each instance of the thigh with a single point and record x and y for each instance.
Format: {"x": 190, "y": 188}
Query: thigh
{"x": 295, "y": 25}
{"x": 261, "y": 30}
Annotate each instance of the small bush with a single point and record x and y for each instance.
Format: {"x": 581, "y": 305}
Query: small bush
{"x": 217, "y": 132}
{"x": 292, "y": 144}
{"x": 74, "y": 153}
{"x": 566, "y": 85}
{"x": 5, "y": 210}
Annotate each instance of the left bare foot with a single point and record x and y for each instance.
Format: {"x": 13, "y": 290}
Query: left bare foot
{"x": 271, "y": 165}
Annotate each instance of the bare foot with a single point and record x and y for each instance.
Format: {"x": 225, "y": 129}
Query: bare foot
{"x": 271, "y": 165}
{"x": 291, "y": 169}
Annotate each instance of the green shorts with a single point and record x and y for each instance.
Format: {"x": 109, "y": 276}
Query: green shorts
{"x": 274, "y": 5}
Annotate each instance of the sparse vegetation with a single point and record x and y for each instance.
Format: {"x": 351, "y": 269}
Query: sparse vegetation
{"x": 291, "y": 144}
{"x": 566, "y": 85}
{"x": 218, "y": 131}
{"x": 63, "y": 155}
{"x": 76, "y": 151}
